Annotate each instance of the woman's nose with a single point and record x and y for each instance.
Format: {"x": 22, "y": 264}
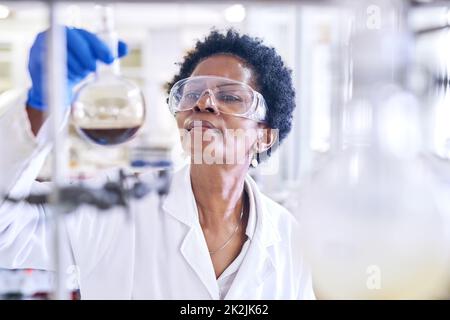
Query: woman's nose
{"x": 206, "y": 103}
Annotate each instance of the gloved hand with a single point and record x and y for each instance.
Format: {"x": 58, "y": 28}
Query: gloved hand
{"x": 83, "y": 49}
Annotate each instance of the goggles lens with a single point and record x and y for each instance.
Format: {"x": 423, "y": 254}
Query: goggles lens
{"x": 230, "y": 97}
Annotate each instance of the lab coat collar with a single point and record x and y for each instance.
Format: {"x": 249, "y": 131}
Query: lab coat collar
{"x": 259, "y": 261}
{"x": 181, "y": 199}
{"x": 266, "y": 231}
{"x": 180, "y": 204}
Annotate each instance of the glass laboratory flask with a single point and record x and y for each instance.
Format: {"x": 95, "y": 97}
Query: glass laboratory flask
{"x": 372, "y": 226}
{"x": 108, "y": 109}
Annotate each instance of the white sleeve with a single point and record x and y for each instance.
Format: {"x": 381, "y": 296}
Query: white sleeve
{"x": 18, "y": 144}
{"x": 25, "y": 237}
{"x": 305, "y": 282}
{"x": 306, "y": 287}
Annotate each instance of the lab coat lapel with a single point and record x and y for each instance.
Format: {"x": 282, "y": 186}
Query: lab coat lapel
{"x": 195, "y": 252}
{"x": 259, "y": 262}
{"x": 254, "y": 270}
{"x": 180, "y": 203}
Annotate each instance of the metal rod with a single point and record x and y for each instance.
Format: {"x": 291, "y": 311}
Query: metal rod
{"x": 56, "y": 83}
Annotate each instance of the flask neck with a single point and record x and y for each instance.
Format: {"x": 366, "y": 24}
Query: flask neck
{"x": 106, "y": 32}
{"x": 111, "y": 40}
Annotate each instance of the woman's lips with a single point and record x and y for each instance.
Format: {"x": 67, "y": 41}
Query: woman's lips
{"x": 200, "y": 124}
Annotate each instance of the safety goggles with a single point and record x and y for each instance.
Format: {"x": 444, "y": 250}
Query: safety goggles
{"x": 228, "y": 96}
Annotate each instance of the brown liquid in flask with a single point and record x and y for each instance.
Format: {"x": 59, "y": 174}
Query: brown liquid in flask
{"x": 109, "y": 136}
{"x": 108, "y": 121}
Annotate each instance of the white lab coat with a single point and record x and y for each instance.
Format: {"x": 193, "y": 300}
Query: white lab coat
{"x": 158, "y": 254}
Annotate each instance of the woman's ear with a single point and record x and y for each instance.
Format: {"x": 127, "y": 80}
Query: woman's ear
{"x": 266, "y": 138}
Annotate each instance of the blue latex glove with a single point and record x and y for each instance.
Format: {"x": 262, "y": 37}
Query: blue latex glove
{"x": 83, "y": 50}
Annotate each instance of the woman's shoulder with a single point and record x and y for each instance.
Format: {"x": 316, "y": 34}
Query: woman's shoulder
{"x": 280, "y": 216}
{"x": 271, "y": 210}
{"x": 279, "y": 210}
{"x": 288, "y": 248}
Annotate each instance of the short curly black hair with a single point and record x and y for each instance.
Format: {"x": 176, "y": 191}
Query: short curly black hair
{"x": 274, "y": 79}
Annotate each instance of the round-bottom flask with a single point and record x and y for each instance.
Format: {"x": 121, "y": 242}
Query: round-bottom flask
{"x": 108, "y": 109}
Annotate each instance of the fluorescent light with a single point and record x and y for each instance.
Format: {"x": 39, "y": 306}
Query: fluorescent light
{"x": 235, "y": 13}
{"x": 4, "y": 12}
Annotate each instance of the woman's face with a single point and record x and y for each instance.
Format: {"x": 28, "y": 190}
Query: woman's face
{"x": 210, "y": 136}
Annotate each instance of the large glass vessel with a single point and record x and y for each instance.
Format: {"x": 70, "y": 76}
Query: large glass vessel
{"x": 373, "y": 224}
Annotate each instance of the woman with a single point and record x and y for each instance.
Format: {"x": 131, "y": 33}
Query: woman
{"x": 216, "y": 236}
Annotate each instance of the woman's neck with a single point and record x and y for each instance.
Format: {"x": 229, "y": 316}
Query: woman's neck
{"x": 218, "y": 191}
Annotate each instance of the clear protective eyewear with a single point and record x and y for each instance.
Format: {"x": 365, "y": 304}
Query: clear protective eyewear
{"x": 229, "y": 96}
